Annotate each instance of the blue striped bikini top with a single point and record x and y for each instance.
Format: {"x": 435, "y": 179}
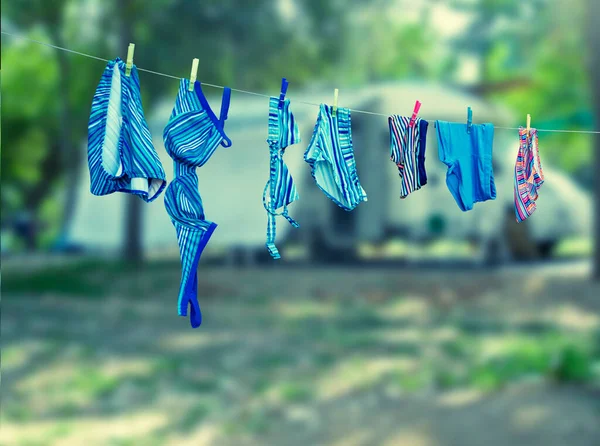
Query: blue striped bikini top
{"x": 191, "y": 136}
{"x": 281, "y": 190}
{"x": 194, "y": 132}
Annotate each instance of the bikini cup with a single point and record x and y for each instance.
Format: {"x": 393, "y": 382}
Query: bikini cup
{"x": 192, "y": 137}
{"x": 184, "y": 189}
{"x": 192, "y": 150}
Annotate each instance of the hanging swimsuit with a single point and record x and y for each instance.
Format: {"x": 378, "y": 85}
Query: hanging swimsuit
{"x": 283, "y": 132}
{"x": 407, "y": 149}
{"x": 121, "y": 157}
{"x": 191, "y": 136}
{"x": 331, "y": 158}
{"x": 529, "y": 176}
{"x": 468, "y": 155}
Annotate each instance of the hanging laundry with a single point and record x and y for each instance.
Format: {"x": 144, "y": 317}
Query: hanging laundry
{"x": 283, "y": 132}
{"x": 529, "y": 176}
{"x": 331, "y": 158}
{"x": 121, "y": 157}
{"x": 467, "y": 151}
{"x": 191, "y": 136}
{"x": 407, "y": 148}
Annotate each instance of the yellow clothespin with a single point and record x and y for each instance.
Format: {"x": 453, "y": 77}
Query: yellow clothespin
{"x": 528, "y": 123}
{"x": 194, "y": 74}
{"x": 335, "y": 101}
{"x": 129, "y": 65}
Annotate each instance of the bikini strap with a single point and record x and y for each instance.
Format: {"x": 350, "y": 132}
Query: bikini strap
{"x": 272, "y": 225}
{"x": 224, "y": 109}
{"x": 225, "y": 104}
{"x": 293, "y": 222}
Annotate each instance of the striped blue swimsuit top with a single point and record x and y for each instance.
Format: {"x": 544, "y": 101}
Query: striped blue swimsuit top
{"x": 191, "y": 136}
{"x": 283, "y": 132}
{"x": 121, "y": 157}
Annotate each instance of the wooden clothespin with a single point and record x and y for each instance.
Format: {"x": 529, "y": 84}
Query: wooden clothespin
{"x": 528, "y": 124}
{"x": 284, "y": 87}
{"x": 415, "y": 113}
{"x": 335, "y": 101}
{"x": 193, "y": 74}
{"x": 469, "y": 119}
{"x": 129, "y": 65}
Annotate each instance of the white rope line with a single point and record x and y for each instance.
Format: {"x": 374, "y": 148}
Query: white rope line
{"x": 354, "y": 110}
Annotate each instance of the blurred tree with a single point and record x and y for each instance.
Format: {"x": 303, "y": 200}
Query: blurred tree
{"x": 128, "y": 12}
{"x": 50, "y": 13}
{"x": 593, "y": 31}
{"x": 47, "y": 104}
{"x": 530, "y": 58}
{"x": 27, "y": 167}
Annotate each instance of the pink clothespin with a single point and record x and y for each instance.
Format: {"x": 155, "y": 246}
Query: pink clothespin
{"x": 415, "y": 113}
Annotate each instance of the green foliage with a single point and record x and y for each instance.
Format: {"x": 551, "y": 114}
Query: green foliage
{"x": 28, "y": 120}
{"x": 542, "y": 51}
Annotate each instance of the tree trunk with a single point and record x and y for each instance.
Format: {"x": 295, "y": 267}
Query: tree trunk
{"x": 594, "y": 67}
{"x": 132, "y": 236}
{"x": 69, "y": 157}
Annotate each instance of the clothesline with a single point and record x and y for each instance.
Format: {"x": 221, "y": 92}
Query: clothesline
{"x": 261, "y": 94}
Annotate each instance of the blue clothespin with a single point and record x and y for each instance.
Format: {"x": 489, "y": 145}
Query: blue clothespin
{"x": 469, "y": 119}
{"x": 284, "y": 87}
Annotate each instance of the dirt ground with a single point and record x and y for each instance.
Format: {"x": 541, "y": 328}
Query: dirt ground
{"x": 315, "y": 356}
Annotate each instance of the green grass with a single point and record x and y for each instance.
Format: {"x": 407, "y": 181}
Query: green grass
{"x": 31, "y": 442}
{"x": 93, "y": 383}
{"x": 296, "y": 392}
{"x": 192, "y": 417}
{"x": 16, "y": 412}
{"x": 553, "y": 357}
{"x": 89, "y": 278}
{"x": 168, "y": 366}
{"x": 274, "y": 360}
{"x": 202, "y": 384}
{"x": 412, "y": 381}
{"x": 477, "y": 351}
{"x": 254, "y": 422}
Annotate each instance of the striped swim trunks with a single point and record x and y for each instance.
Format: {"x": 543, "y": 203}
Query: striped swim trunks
{"x": 331, "y": 158}
{"x": 283, "y": 132}
{"x": 191, "y": 136}
{"x": 407, "y": 151}
{"x": 121, "y": 157}
{"x": 529, "y": 175}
